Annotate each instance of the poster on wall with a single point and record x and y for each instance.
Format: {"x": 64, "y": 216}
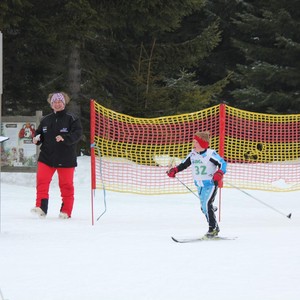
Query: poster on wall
{"x": 18, "y": 150}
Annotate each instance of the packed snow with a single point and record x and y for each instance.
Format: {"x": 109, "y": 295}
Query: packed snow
{"x": 129, "y": 255}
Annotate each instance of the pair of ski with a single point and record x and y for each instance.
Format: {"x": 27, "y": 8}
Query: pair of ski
{"x": 203, "y": 238}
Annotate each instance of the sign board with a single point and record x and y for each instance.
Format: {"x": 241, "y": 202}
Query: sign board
{"x": 18, "y": 152}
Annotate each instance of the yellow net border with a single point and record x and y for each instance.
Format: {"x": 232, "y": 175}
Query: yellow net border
{"x": 132, "y": 154}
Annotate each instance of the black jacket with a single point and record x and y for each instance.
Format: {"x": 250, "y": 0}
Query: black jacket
{"x": 59, "y": 154}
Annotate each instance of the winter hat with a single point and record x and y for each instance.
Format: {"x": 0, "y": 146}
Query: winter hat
{"x": 202, "y": 138}
{"x": 59, "y": 96}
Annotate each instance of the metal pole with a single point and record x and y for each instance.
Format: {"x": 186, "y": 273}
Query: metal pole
{"x": 1, "y": 91}
{"x": 1, "y": 68}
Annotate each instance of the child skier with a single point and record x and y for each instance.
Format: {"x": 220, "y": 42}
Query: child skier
{"x": 208, "y": 168}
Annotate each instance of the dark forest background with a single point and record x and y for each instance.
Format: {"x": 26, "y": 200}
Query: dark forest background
{"x": 151, "y": 58}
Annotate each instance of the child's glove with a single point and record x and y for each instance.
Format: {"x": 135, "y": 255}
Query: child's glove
{"x": 218, "y": 178}
{"x": 172, "y": 172}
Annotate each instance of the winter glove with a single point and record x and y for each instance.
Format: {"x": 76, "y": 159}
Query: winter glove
{"x": 36, "y": 139}
{"x": 172, "y": 172}
{"x": 218, "y": 178}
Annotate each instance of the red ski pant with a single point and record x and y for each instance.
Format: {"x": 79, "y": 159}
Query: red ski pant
{"x": 65, "y": 180}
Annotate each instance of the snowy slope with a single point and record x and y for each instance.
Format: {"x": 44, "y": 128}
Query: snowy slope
{"x": 129, "y": 255}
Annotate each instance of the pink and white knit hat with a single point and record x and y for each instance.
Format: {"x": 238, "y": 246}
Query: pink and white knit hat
{"x": 58, "y": 97}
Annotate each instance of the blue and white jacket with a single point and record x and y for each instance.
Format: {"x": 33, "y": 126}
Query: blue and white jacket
{"x": 204, "y": 165}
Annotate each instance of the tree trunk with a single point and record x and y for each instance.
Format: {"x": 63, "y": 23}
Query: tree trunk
{"x": 74, "y": 78}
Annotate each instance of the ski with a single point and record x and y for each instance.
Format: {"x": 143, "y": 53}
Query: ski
{"x": 203, "y": 238}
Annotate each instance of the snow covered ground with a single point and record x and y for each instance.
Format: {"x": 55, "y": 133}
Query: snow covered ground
{"x": 129, "y": 255}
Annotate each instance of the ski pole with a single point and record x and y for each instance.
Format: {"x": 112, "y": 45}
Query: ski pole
{"x": 187, "y": 187}
{"x": 260, "y": 201}
{"x": 214, "y": 208}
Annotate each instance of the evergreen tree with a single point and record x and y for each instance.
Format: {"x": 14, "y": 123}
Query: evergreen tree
{"x": 167, "y": 52}
{"x": 20, "y": 44}
{"x": 222, "y": 61}
{"x": 137, "y": 57}
{"x": 269, "y": 37}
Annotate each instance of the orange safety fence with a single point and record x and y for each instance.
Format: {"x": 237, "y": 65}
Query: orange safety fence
{"x": 132, "y": 155}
